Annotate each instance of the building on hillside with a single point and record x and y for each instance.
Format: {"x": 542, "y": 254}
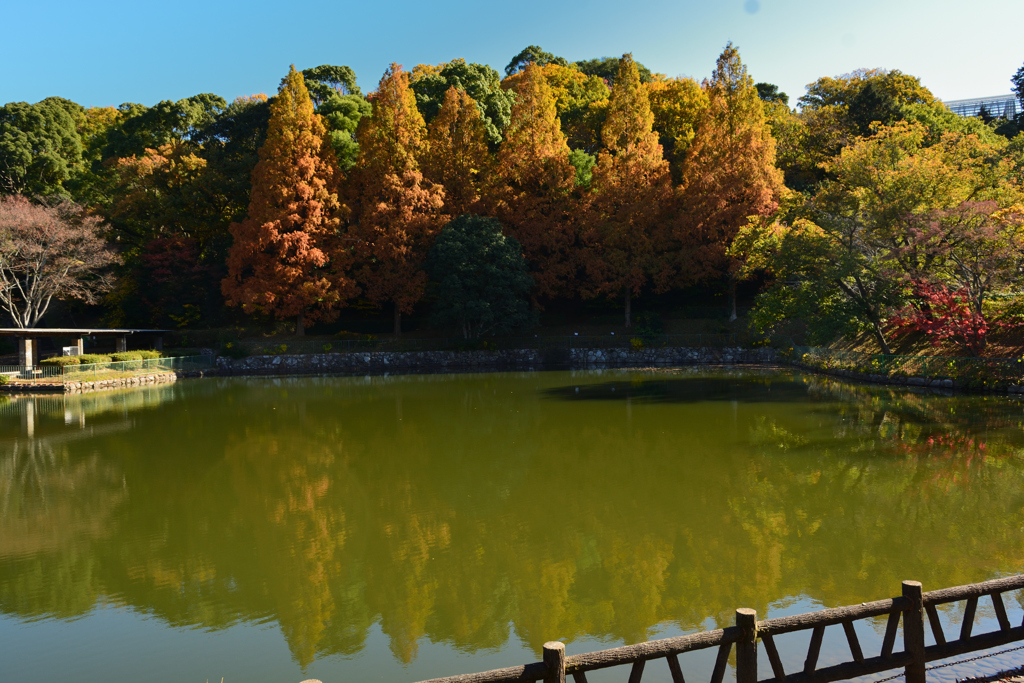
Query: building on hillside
{"x": 1000, "y": 106}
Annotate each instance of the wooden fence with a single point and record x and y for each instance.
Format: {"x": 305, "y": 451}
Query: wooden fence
{"x": 913, "y": 607}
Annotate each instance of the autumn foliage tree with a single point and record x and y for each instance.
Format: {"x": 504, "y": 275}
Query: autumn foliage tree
{"x": 46, "y": 253}
{"x": 399, "y": 211}
{"x": 631, "y": 189}
{"x": 457, "y": 156}
{"x": 729, "y": 174}
{"x": 285, "y": 260}
{"x": 534, "y": 180}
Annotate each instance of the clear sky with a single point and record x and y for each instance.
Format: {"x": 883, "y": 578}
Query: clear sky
{"x": 107, "y": 52}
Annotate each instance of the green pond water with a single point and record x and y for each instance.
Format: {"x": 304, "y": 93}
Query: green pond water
{"x": 402, "y": 528}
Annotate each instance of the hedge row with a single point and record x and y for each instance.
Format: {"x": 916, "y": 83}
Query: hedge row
{"x": 89, "y": 358}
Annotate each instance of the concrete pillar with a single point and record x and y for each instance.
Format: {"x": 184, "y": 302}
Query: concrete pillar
{"x": 81, "y": 345}
{"x": 158, "y": 343}
{"x": 122, "y": 344}
{"x": 26, "y": 352}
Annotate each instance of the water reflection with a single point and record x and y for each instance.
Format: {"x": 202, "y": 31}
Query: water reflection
{"x": 472, "y": 510}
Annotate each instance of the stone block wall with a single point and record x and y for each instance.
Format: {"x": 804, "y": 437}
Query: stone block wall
{"x": 440, "y": 361}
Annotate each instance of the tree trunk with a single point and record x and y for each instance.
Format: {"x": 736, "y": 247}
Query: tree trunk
{"x": 629, "y": 301}
{"x": 300, "y": 326}
{"x": 732, "y": 298}
{"x": 880, "y": 338}
{"x": 398, "y": 320}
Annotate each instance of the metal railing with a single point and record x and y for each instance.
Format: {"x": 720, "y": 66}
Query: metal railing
{"x": 913, "y": 607}
{"x": 31, "y": 374}
{"x": 980, "y": 371}
{"x": 617, "y": 340}
{"x": 99, "y": 371}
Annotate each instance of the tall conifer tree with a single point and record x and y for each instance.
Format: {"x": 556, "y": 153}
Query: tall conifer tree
{"x": 532, "y": 193}
{"x": 729, "y": 173}
{"x": 457, "y": 155}
{"x": 631, "y": 188}
{"x": 284, "y": 259}
{"x": 400, "y": 212}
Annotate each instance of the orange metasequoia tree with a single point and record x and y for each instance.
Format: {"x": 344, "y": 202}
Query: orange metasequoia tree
{"x": 399, "y": 212}
{"x": 457, "y": 155}
{"x": 532, "y": 193}
{"x": 632, "y": 187}
{"x": 284, "y": 259}
{"x": 729, "y": 174}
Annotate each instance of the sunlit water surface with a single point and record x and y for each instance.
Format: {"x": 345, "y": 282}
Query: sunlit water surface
{"x": 402, "y": 528}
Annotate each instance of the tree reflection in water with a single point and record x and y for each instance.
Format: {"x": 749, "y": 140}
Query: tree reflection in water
{"x": 468, "y": 510}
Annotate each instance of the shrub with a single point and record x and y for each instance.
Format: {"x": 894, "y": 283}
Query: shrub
{"x": 89, "y": 358}
{"x": 150, "y": 355}
{"x": 125, "y": 356}
{"x": 327, "y": 348}
{"x": 232, "y": 350}
{"x": 4, "y": 379}
{"x": 636, "y": 343}
{"x": 60, "y": 361}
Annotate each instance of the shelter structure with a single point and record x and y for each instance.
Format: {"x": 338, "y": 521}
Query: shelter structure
{"x": 1004, "y": 106}
{"x": 27, "y": 339}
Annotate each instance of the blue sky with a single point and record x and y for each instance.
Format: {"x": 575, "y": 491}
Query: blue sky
{"x": 105, "y": 52}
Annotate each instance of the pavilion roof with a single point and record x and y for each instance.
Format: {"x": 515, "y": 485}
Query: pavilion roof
{"x": 72, "y": 331}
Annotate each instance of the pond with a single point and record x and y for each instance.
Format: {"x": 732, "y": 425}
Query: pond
{"x": 402, "y": 528}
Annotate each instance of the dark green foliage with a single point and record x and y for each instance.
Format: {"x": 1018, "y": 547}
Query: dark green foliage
{"x": 342, "y": 114}
{"x": 165, "y": 122}
{"x": 480, "y": 278}
{"x": 326, "y": 81}
{"x": 231, "y": 148}
{"x": 60, "y": 361}
{"x": 125, "y": 356}
{"x": 480, "y": 82}
{"x": 771, "y": 93}
{"x": 532, "y": 54}
{"x": 40, "y": 148}
{"x": 1018, "y": 84}
{"x": 608, "y": 68}
{"x": 90, "y": 358}
{"x": 584, "y": 164}
{"x": 232, "y": 350}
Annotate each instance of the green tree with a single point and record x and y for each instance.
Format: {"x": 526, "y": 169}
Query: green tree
{"x": 327, "y": 81}
{"x": 900, "y": 211}
{"x": 532, "y": 54}
{"x": 141, "y": 128}
{"x": 40, "y": 148}
{"x": 480, "y": 277}
{"x": 836, "y": 111}
{"x": 770, "y": 92}
{"x": 342, "y": 114}
{"x": 1018, "y": 84}
{"x": 479, "y": 81}
{"x": 340, "y": 102}
{"x": 608, "y": 69}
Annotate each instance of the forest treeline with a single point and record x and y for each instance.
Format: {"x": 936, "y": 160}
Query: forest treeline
{"x": 872, "y": 208}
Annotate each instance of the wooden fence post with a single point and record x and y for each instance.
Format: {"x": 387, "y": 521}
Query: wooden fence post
{"x": 913, "y": 632}
{"x": 746, "y": 646}
{"x": 554, "y": 660}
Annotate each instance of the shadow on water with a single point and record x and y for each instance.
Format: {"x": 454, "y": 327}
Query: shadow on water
{"x": 686, "y": 390}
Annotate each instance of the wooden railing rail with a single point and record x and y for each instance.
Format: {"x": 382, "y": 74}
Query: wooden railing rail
{"x": 912, "y": 608}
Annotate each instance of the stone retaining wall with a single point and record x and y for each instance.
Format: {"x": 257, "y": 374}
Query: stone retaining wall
{"x": 620, "y": 358}
{"x": 384, "y": 361}
{"x": 136, "y": 381}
